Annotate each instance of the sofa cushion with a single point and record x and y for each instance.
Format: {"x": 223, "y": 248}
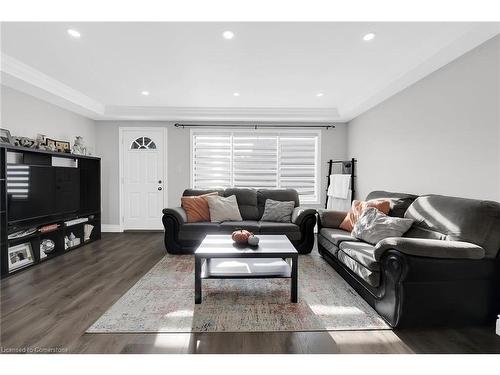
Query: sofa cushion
{"x": 336, "y": 236}
{"x": 197, "y": 231}
{"x": 223, "y": 208}
{"x": 457, "y": 219}
{"x": 357, "y": 208}
{"x": 292, "y": 231}
{"x": 277, "y": 195}
{"x": 370, "y": 277}
{"x": 231, "y": 226}
{"x": 399, "y": 201}
{"x": 328, "y": 246}
{"x": 373, "y": 226}
{"x": 362, "y": 253}
{"x": 280, "y": 212}
{"x": 196, "y": 207}
{"x": 247, "y": 202}
{"x": 272, "y": 227}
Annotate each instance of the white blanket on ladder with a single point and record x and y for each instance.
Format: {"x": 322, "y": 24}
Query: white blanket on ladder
{"x": 339, "y": 192}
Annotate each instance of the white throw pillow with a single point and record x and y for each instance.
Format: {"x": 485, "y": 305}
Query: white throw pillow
{"x": 223, "y": 208}
{"x": 373, "y": 226}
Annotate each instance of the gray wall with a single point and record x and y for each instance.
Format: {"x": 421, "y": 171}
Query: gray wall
{"x": 27, "y": 116}
{"x": 334, "y": 146}
{"x": 441, "y": 135}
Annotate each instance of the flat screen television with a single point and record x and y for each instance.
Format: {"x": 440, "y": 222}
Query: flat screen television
{"x": 35, "y": 192}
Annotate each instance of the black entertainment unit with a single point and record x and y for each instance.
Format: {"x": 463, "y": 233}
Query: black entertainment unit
{"x": 50, "y": 203}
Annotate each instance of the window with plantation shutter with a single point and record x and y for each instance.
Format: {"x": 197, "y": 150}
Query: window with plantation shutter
{"x": 257, "y": 159}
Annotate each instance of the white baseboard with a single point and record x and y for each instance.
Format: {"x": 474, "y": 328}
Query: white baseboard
{"x": 111, "y": 228}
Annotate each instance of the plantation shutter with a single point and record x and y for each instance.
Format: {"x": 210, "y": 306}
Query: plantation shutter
{"x": 287, "y": 160}
{"x": 297, "y": 169}
{"x": 212, "y": 158}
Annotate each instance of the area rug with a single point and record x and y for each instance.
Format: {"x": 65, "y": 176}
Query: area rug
{"x": 163, "y": 301}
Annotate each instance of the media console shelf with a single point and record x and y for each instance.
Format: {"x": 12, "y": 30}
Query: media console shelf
{"x": 76, "y": 193}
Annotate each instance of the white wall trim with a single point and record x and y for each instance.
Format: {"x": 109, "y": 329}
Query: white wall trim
{"x": 111, "y": 228}
{"x": 24, "y": 78}
{"x": 221, "y": 114}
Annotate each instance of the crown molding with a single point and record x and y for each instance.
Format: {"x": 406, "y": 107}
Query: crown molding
{"x": 370, "y": 98}
{"x": 220, "y": 114}
{"x": 22, "y": 77}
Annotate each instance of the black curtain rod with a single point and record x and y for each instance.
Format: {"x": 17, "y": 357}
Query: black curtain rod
{"x": 254, "y": 126}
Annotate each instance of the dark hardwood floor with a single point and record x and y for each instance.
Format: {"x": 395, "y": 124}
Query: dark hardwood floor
{"x": 49, "y": 307}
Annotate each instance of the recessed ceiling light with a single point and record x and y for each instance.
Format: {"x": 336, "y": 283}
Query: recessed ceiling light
{"x": 74, "y": 33}
{"x": 236, "y": 94}
{"x": 228, "y": 34}
{"x": 145, "y": 93}
{"x": 368, "y": 37}
{"x": 319, "y": 94}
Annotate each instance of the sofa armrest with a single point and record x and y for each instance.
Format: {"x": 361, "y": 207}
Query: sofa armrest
{"x": 300, "y": 213}
{"x": 430, "y": 248}
{"x": 330, "y": 218}
{"x": 178, "y": 213}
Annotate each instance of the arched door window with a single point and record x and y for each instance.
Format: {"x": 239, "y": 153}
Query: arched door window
{"x": 143, "y": 143}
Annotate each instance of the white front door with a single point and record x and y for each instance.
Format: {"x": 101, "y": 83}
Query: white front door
{"x": 143, "y": 178}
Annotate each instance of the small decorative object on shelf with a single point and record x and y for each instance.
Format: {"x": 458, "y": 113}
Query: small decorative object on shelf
{"x": 5, "y": 137}
{"x": 241, "y": 236}
{"x": 87, "y": 231}
{"x": 76, "y": 221}
{"x": 40, "y": 142}
{"x": 79, "y": 146}
{"x": 20, "y": 256}
{"x": 21, "y": 233}
{"x": 49, "y": 228}
{"x": 50, "y": 144}
{"x": 253, "y": 240}
{"x": 24, "y": 142}
{"x": 71, "y": 241}
{"x": 46, "y": 247}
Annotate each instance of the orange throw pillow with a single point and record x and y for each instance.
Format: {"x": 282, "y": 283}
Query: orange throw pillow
{"x": 357, "y": 208}
{"x": 196, "y": 207}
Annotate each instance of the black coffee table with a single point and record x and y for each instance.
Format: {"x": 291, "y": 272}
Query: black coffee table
{"x": 217, "y": 246}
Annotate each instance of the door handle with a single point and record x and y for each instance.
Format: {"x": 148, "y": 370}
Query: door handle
{"x": 160, "y": 188}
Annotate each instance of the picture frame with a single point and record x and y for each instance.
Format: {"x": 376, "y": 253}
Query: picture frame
{"x": 20, "y": 256}
{"x": 5, "y": 136}
{"x": 63, "y": 146}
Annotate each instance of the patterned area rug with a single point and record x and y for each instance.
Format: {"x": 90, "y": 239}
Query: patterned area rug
{"x": 163, "y": 301}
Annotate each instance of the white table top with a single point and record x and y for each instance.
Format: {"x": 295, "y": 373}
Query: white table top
{"x": 222, "y": 245}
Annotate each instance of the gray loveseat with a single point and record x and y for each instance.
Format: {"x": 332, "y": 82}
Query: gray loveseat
{"x": 183, "y": 238}
{"x": 445, "y": 270}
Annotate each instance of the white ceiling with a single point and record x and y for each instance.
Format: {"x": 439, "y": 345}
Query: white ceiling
{"x": 191, "y": 72}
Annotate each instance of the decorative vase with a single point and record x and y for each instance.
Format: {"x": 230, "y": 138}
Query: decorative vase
{"x": 241, "y": 236}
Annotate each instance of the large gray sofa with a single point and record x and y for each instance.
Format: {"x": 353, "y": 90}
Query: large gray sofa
{"x": 445, "y": 270}
{"x": 182, "y": 237}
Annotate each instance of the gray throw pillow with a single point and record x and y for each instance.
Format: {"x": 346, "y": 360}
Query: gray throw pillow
{"x": 278, "y": 211}
{"x": 223, "y": 208}
{"x": 373, "y": 226}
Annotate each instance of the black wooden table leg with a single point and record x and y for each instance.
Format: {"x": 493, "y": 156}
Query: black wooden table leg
{"x": 294, "y": 292}
{"x": 197, "y": 280}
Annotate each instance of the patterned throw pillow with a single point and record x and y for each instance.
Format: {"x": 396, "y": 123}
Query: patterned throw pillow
{"x": 357, "y": 208}
{"x": 196, "y": 207}
{"x": 223, "y": 209}
{"x": 373, "y": 226}
{"x": 278, "y": 211}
